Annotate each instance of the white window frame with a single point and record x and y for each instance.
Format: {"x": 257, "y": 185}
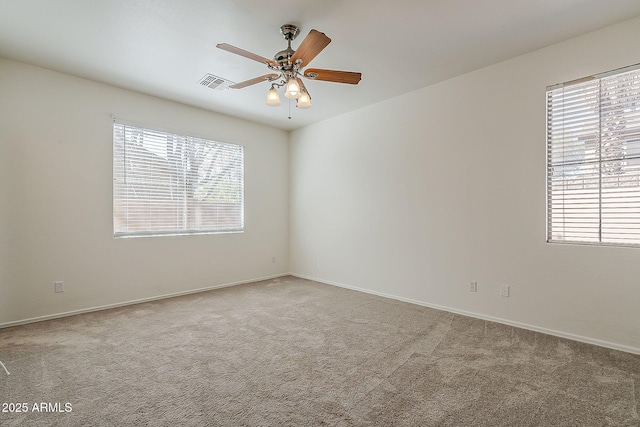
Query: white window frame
{"x": 167, "y": 184}
{"x": 593, "y": 159}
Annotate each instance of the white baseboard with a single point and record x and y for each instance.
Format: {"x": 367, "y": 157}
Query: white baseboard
{"x": 132, "y": 302}
{"x": 561, "y": 334}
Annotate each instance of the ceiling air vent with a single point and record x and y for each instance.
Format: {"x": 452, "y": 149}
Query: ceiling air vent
{"x": 215, "y": 82}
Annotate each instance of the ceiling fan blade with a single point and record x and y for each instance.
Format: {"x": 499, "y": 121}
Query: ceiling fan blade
{"x": 311, "y": 46}
{"x": 348, "y": 77}
{"x": 253, "y": 81}
{"x": 302, "y": 86}
{"x": 246, "y": 54}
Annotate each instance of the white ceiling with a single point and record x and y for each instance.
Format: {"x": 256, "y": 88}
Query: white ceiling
{"x": 164, "y": 47}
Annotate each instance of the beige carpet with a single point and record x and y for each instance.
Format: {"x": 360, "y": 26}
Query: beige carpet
{"x": 291, "y": 352}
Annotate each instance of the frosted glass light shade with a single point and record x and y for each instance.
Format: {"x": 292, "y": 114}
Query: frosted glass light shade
{"x": 273, "y": 99}
{"x": 304, "y": 101}
{"x": 292, "y": 90}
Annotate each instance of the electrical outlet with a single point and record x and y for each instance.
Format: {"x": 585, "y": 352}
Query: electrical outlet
{"x": 59, "y": 287}
{"x": 273, "y": 260}
{"x": 504, "y": 290}
{"x": 473, "y": 287}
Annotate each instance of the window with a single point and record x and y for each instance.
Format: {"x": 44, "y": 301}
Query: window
{"x": 593, "y": 159}
{"x": 172, "y": 184}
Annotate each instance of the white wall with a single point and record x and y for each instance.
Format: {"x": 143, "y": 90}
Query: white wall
{"x": 417, "y": 196}
{"x": 413, "y": 197}
{"x": 56, "y": 200}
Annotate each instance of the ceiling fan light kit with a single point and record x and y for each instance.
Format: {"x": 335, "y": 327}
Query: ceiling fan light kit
{"x": 292, "y": 89}
{"x": 287, "y": 66}
{"x": 304, "y": 101}
{"x": 273, "y": 98}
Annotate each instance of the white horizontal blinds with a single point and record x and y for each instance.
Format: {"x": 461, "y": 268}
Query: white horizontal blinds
{"x": 174, "y": 184}
{"x": 573, "y": 165}
{"x": 620, "y": 140}
{"x": 593, "y": 160}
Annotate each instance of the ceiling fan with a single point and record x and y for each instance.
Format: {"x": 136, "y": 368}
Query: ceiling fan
{"x": 288, "y": 64}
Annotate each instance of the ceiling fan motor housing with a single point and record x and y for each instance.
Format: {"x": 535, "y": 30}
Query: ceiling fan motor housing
{"x": 283, "y": 57}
